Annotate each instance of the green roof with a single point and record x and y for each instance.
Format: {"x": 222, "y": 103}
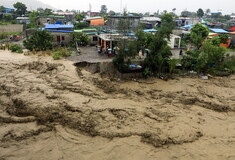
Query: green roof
{"x": 78, "y": 30}
{"x": 56, "y": 16}
{"x": 90, "y": 33}
{"x": 211, "y": 34}
{"x": 87, "y": 30}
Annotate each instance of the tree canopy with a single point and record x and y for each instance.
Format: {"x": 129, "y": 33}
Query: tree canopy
{"x": 33, "y": 16}
{"x": 39, "y": 41}
{"x": 167, "y": 25}
{"x": 20, "y": 8}
{"x": 2, "y": 9}
{"x": 200, "y": 13}
{"x": 79, "y": 17}
{"x": 103, "y": 9}
{"x": 198, "y": 34}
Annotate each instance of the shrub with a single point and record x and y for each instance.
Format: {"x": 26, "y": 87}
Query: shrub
{"x": 16, "y": 48}
{"x": 147, "y": 73}
{"x": 56, "y": 55}
{"x": 39, "y": 41}
{"x": 79, "y": 38}
{"x": 61, "y": 52}
{"x": 172, "y": 65}
{"x": 228, "y": 65}
{"x": 120, "y": 64}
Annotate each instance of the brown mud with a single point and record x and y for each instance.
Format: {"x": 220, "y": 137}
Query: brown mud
{"x": 51, "y": 110}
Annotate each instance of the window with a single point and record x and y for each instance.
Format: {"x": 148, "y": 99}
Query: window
{"x": 95, "y": 38}
{"x": 62, "y": 38}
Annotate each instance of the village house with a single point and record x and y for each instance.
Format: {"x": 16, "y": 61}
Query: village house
{"x": 113, "y": 21}
{"x": 61, "y": 33}
{"x": 51, "y": 19}
{"x": 95, "y": 21}
{"x": 150, "y": 22}
{"x": 23, "y": 20}
{"x": 69, "y": 16}
{"x": 184, "y": 21}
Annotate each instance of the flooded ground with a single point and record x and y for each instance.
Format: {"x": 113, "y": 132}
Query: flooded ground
{"x": 51, "y": 110}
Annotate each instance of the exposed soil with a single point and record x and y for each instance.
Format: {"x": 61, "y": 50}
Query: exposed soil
{"x": 51, "y": 110}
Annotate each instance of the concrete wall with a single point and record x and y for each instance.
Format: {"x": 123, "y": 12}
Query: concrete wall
{"x": 12, "y": 28}
{"x": 113, "y": 22}
{"x": 66, "y": 38}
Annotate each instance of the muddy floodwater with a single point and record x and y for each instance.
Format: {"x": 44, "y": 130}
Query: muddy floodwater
{"x": 50, "y": 110}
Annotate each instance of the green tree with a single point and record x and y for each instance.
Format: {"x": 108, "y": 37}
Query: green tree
{"x": 167, "y": 25}
{"x": 2, "y": 9}
{"x": 157, "y": 60}
{"x": 39, "y": 41}
{"x": 215, "y": 41}
{"x": 81, "y": 25}
{"x": 223, "y": 38}
{"x": 79, "y": 17}
{"x": 200, "y": 13}
{"x": 20, "y": 8}
{"x": 103, "y": 9}
{"x": 33, "y": 16}
{"x": 141, "y": 39}
{"x": 7, "y": 17}
{"x": 48, "y": 11}
{"x": 198, "y": 34}
{"x": 186, "y": 14}
{"x": 208, "y": 11}
{"x": 210, "y": 57}
{"x": 111, "y": 13}
{"x": 79, "y": 38}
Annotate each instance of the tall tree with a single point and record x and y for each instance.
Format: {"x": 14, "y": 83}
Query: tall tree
{"x": 198, "y": 35}
{"x": 111, "y": 13}
{"x": 39, "y": 41}
{"x": 2, "y": 9}
{"x": 79, "y": 17}
{"x": 48, "y": 11}
{"x": 167, "y": 25}
{"x": 200, "y": 13}
{"x": 186, "y": 14}
{"x": 33, "y": 16}
{"x": 103, "y": 9}
{"x": 20, "y": 8}
{"x": 208, "y": 11}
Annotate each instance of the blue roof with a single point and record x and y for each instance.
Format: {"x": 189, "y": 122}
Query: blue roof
{"x": 56, "y": 26}
{"x": 65, "y": 31}
{"x": 150, "y": 30}
{"x": 218, "y": 30}
{"x": 130, "y": 34}
{"x": 188, "y": 26}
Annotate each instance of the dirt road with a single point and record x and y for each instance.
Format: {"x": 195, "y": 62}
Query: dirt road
{"x": 50, "y": 110}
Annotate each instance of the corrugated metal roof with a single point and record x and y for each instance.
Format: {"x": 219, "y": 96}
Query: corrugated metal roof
{"x": 65, "y": 31}
{"x": 56, "y": 26}
{"x": 218, "y": 30}
{"x": 188, "y": 26}
{"x": 22, "y": 18}
{"x": 150, "y": 30}
{"x": 91, "y": 18}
